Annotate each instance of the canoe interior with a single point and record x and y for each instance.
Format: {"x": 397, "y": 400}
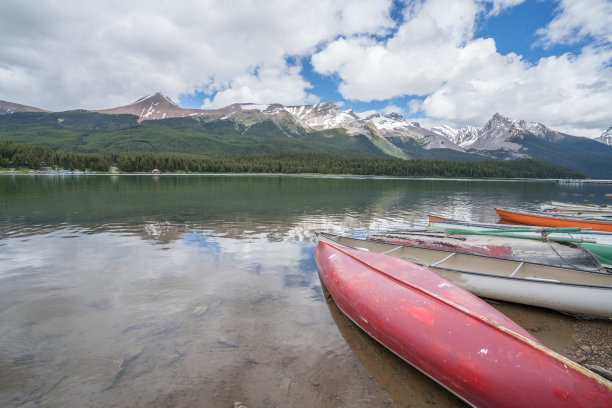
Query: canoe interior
{"x": 509, "y": 246}
{"x": 443, "y": 260}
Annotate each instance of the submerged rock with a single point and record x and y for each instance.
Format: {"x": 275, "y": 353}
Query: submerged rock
{"x": 199, "y": 311}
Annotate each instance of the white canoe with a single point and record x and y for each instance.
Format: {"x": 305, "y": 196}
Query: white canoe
{"x": 578, "y": 207}
{"x": 567, "y": 290}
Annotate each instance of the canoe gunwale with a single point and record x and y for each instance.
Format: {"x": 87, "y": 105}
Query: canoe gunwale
{"x": 548, "y": 282}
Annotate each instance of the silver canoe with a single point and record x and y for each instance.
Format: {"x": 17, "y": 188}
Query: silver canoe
{"x": 567, "y": 290}
{"x": 563, "y": 254}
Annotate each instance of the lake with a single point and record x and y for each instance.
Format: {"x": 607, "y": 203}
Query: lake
{"x": 196, "y": 290}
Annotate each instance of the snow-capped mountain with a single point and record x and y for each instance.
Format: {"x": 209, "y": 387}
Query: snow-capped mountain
{"x": 327, "y": 115}
{"x": 389, "y": 134}
{"x": 319, "y": 116}
{"x": 398, "y": 130}
{"x": 389, "y": 121}
{"x": 504, "y": 133}
{"x": 370, "y": 133}
{"x": 606, "y": 137}
{"x": 499, "y": 133}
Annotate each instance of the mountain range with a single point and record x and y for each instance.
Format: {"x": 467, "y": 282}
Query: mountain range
{"x": 155, "y": 123}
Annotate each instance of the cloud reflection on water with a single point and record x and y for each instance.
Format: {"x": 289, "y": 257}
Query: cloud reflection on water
{"x": 201, "y": 288}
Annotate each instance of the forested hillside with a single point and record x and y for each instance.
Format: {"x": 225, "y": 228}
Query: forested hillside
{"x": 89, "y": 132}
{"x": 27, "y": 156}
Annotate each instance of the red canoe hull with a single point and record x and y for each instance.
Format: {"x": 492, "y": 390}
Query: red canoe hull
{"x": 450, "y": 335}
{"x": 551, "y": 221}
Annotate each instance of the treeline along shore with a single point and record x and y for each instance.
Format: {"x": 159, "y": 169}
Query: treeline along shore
{"x": 14, "y": 155}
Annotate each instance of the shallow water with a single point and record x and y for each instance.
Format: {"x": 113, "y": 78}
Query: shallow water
{"x": 202, "y": 290}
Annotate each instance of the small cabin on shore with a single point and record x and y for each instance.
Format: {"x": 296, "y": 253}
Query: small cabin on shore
{"x": 156, "y": 171}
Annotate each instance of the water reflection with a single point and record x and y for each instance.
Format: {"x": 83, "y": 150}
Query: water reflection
{"x": 102, "y": 318}
{"x": 242, "y": 204}
{"x": 202, "y": 291}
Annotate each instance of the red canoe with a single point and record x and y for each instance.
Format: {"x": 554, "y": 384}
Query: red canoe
{"x": 450, "y": 335}
{"x": 556, "y": 221}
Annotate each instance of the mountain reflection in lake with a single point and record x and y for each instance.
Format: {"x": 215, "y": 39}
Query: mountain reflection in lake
{"x": 202, "y": 290}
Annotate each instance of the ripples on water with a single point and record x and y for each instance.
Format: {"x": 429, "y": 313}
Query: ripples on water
{"x": 201, "y": 291}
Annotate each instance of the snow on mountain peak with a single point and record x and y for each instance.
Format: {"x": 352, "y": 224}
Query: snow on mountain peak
{"x": 606, "y": 137}
{"x": 446, "y": 131}
{"x": 463, "y": 137}
{"x": 367, "y": 114}
{"x": 157, "y": 97}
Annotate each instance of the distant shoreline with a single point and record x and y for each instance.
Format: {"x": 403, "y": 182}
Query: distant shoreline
{"x": 314, "y": 175}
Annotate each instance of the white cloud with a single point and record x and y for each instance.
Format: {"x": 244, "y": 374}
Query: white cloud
{"x": 278, "y": 84}
{"x": 393, "y": 109}
{"x": 568, "y": 93}
{"x": 465, "y": 80}
{"x": 69, "y": 53}
{"x": 578, "y": 19}
{"x": 427, "y": 50}
{"x": 77, "y": 54}
{"x": 498, "y": 5}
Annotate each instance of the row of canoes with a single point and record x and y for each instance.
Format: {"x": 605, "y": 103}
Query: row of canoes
{"x": 598, "y": 243}
{"x": 410, "y": 290}
{"x": 570, "y": 265}
{"x": 571, "y": 290}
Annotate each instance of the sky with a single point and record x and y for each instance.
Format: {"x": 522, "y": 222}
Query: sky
{"x": 452, "y": 62}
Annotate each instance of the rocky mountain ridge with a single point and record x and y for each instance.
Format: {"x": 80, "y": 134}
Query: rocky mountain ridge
{"x": 501, "y": 137}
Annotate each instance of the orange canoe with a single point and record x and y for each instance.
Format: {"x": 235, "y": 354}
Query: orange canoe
{"x": 556, "y": 221}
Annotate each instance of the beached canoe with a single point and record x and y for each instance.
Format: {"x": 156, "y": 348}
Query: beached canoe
{"x": 451, "y": 336}
{"x": 563, "y": 289}
{"x": 563, "y": 254}
{"x": 599, "y": 243}
{"x": 548, "y": 220}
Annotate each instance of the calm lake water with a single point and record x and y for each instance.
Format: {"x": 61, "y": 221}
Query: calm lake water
{"x": 202, "y": 291}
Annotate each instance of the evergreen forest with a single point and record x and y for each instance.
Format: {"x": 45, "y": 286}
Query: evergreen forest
{"x": 24, "y": 156}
